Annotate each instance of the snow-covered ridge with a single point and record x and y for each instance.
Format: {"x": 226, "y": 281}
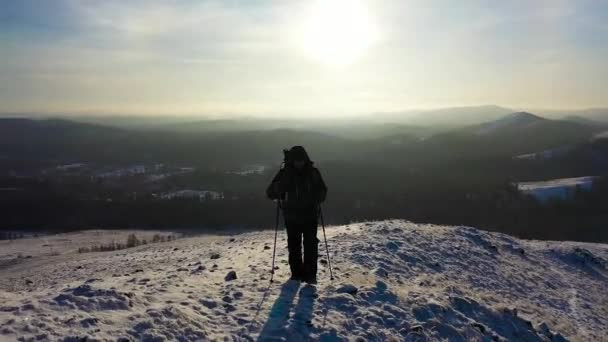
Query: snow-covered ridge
{"x": 395, "y": 280}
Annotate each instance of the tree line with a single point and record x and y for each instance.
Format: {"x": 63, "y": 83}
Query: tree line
{"x": 474, "y": 194}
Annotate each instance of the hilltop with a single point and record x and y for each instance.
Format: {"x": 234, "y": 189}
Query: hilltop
{"x": 395, "y": 280}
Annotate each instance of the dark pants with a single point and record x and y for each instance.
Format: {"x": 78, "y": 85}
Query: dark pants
{"x": 298, "y": 232}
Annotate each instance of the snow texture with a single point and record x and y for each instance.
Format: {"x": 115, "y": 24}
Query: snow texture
{"x": 395, "y": 281}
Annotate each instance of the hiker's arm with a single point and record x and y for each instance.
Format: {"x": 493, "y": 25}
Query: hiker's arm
{"x": 273, "y": 190}
{"x": 280, "y": 183}
{"x": 321, "y": 188}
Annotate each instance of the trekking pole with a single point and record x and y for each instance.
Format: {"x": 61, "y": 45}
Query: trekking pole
{"x": 276, "y": 227}
{"x": 276, "y": 231}
{"x": 331, "y": 273}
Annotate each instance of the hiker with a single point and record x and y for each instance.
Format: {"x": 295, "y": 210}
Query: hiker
{"x": 300, "y": 189}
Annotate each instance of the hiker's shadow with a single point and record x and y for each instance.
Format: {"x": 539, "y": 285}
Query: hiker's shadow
{"x": 279, "y": 326}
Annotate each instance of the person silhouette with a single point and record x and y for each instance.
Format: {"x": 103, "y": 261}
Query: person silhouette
{"x": 300, "y": 189}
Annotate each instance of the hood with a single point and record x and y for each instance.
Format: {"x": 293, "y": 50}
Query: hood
{"x": 298, "y": 152}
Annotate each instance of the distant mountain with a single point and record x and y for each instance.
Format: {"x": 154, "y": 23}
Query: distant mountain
{"x": 23, "y": 127}
{"x": 139, "y": 122}
{"x": 50, "y": 139}
{"x": 39, "y": 135}
{"x": 447, "y": 117}
{"x": 473, "y": 115}
{"x": 579, "y": 119}
{"x": 586, "y": 121}
{"x": 511, "y": 135}
{"x": 364, "y": 130}
{"x": 354, "y": 129}
{"x": 76, "y": 142}
{"x": 524, "y": 125}
{"x": 513, "y": 121}
{"x": 599, "y": 115}
{"x": 61, "y": 140}
{"x": 228, "y": 125}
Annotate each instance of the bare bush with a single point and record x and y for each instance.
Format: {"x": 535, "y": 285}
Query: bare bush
{"x": 132, "y": 241}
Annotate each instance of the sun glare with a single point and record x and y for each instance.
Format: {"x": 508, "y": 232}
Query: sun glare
{"x": 337, "y": 32}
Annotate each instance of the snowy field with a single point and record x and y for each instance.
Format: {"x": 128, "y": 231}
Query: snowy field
{"x": 395, "y": 281}
{"x": 65, "y": 244}
{"x": 557, "y": 188}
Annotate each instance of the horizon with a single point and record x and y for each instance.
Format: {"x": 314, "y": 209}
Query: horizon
{"x": 317, "y": 59}
{"x": 550, "y": 113}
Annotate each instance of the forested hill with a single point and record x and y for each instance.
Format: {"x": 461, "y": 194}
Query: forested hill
{"x": 58, "y": 173}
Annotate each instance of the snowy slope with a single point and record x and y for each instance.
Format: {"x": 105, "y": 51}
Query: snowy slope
{"x": 395, "y": 280}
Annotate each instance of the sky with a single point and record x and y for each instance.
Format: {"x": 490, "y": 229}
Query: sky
{"x": 300, "y": 58}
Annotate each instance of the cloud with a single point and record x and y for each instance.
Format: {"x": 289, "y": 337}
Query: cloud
{"x": 182, "y": 27}
{"x": 243, "y": 56}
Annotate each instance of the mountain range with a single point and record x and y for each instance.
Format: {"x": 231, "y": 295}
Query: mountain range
{"x": 255, "y": 141}
{"x": 449, "y": 117}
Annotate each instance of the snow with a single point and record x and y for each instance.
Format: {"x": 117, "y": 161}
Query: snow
{"x": 557, "y": 188}
{"x": 546, "y": 154}
{"x": 200, "y": 194}
{"x": 73, "y": 166}
{"x": 129, "y": 171}
{"x": 42, "y": 247}
{"x": 602, "y": 135}
{"x": 394, "y": 280}
{"x": 249, "y": 170}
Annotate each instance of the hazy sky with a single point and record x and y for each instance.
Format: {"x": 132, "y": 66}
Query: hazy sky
{"x": 334, "y": 57}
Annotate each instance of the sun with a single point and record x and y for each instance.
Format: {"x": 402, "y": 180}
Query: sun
{"x": 337, "y": 32}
